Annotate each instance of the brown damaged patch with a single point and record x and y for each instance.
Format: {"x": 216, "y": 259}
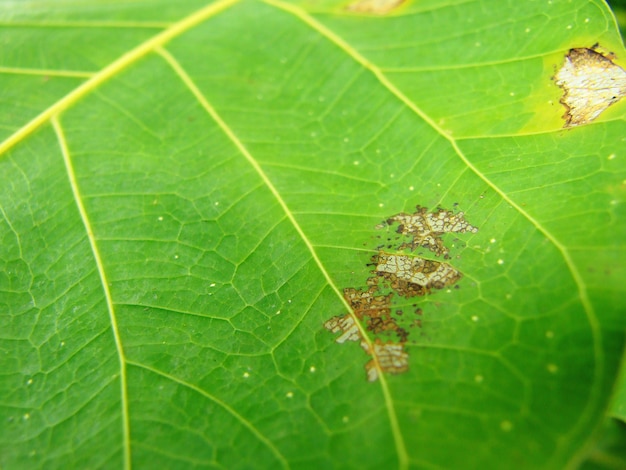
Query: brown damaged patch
{"x": 392, "y": 358}
{"x": 403, "y": 275}
{"x": 591, "y": 82}
{"x": 376, "y": 7}
{"x": 411, "y": 275}
{"x": 426, "y": 228}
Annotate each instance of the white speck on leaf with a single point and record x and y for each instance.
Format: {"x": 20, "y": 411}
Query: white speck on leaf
{"x": 289, "y": 394}
{"x": 478, "y": 378}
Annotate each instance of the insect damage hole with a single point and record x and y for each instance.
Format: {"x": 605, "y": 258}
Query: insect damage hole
{"x": 591, "y": 82}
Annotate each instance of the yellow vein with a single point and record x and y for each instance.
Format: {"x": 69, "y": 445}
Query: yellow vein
{"x": 220, "y": 403}
{"x": 105, "y": 285}
{"x": 376, "y": 71}
{"x": 47, "y": 72}
{"x": 115, "y": 68}
{"x": 399, "y": 440}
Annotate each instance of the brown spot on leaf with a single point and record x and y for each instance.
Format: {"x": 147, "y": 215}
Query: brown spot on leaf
{"x": 346, "y": 325}
{"x": 411, "y": 275}
{"x": 392, "y": 358}
{"x": 376, "y": 7}
{"x": 398, "y": 274}
{"x": 426, "y": 228}
{"x": 591, "y": 82}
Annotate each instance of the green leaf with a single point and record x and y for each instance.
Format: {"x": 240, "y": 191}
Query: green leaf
{"x": 188, "y": 188}
{"x": 609, "y": 451}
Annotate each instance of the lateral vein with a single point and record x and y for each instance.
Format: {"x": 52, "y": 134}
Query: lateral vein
{"x": 105, "y": 285}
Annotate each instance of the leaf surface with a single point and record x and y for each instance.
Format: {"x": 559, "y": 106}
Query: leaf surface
{"x": 187, "y": 190}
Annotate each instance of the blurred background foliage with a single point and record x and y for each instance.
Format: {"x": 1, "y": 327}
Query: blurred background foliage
{"x": 619, "y": 8}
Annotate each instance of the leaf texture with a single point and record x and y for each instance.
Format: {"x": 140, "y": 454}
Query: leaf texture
{"x": 188, "y": 188}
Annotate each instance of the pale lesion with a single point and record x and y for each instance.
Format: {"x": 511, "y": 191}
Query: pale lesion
{"x": 346, "y": 325}
{"x": 375, "y": 309}
{"x": 425, "y": 228}
{"x": 591, "y": 82}
{"x": 376, "y": 7}
{"x": 388, "y": 356}
{"x": 412, "y": 275}
{"x": 392, "y": 358}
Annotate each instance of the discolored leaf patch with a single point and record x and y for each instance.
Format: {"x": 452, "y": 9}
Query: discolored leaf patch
{"x": 398, "y": 274}
{"x": 591, "y": 82}
{"x": 425, "y": 229}
{"x": 376, "y": 7}
{"x": 411, "y": 275}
